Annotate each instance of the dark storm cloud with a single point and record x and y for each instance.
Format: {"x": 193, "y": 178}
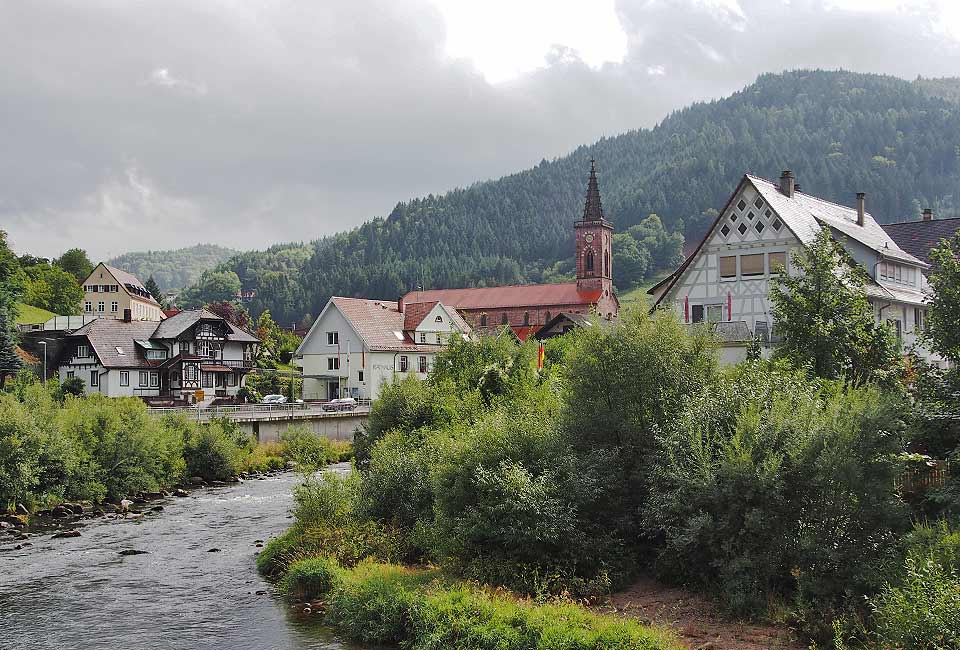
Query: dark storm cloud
{"x": 149, "y": 125}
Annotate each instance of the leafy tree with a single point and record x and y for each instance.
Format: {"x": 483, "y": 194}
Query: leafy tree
{"x": 231, "y": 312}
{"x": 76, "y": 263}
{"x": 630, "y": 261}
{"x": 825, "y": 319}
{"x": 214, "y": 286}
{"x": 943, "y": 321}
{"x": 151, "y": 286}
{"x": 53, "y": 289}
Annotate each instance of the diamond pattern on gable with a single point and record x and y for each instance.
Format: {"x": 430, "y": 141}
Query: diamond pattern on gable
{"x": 741, "y": 205}
{"x": 750, "y": 216}
{"x": 725, "y": 230}
{"x": 758, "y": 203}
{"x": 759, "y": 226}
{"x": 777, "y": 225}
{"x": 733, "y": 217}
{"x": 742, "y": 228}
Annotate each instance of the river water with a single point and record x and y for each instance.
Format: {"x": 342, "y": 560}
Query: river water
{"x": 81, "y": 593}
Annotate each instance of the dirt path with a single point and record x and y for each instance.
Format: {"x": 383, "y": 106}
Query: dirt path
{"x": 695, "y": 618}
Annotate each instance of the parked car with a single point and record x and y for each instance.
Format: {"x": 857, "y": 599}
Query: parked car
{"x": 341, "y": 404}
{"x": 274, "y": 399}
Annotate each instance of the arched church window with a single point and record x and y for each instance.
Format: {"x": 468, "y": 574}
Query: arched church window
{"x": 546, "y": 317}
{"x": 526, "y": 318}
{"x": 588, "y": 262}
{"x": 483, "y": 320}
{"x": 503, "y": 318}
{"x": 606, "y": 264}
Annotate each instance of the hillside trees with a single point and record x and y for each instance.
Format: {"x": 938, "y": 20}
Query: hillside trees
{"x": 213, "y": 286}
{"x": 174, "y": 269}
{"x": 52, "y": 288}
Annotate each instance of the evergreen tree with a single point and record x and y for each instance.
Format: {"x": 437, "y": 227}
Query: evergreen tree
{"x": 151, "y": 286}
{"x": 10, "y": 362}
{"x": 825, "y": 319}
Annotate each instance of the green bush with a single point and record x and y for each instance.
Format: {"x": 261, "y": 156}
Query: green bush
{"x": 308, "y": 450}
{"x": 923, "y": 613}
{"x": 372, "y": 603}
{"x": 279, "y": 553}
{"x": 396, "y": 484}
{"x": 216, "y": 451}
{"x": 754, "y": 477}
{"x": 73, "y": 386}
{"x": 311, "y": 578}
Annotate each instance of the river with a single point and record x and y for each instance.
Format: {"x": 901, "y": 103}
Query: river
{"x": 81, "y": 593}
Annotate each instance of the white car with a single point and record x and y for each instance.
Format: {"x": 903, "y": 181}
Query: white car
{"x": 274, "y": 399}
{"x": 341, "y": 404}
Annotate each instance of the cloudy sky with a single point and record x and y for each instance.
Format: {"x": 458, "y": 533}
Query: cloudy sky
{"x": 131, "y": 125}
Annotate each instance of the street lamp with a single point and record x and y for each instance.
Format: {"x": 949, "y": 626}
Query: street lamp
{"x": 44, "y": 344}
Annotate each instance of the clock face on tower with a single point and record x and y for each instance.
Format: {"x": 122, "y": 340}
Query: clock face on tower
{"x": 588, "y": 237}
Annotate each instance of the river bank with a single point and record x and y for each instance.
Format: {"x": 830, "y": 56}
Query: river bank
{"x": 86, "y": 592}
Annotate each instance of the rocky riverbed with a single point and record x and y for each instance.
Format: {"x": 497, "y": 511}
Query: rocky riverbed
{"x": 162, "y": 571}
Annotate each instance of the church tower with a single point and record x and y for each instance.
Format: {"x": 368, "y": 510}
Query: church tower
{"x": 594, "y": 242}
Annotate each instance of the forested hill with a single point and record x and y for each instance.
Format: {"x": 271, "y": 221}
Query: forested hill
{"x": 173, "y": 269}
{"x": 840, "y": 133}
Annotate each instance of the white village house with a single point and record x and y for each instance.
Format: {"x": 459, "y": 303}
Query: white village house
{"x": 356, "y": 346}
{"x": 727, "y": 280}
{"x": 173, "y": 359}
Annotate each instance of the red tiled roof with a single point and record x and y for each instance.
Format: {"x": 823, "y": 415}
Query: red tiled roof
{"x": 522, "y": 295}
{"x": 380, "y": 324}
{"x": 524, "y": 332}
{"x": 919, "y": 237}
{"x": 414, "y": 313}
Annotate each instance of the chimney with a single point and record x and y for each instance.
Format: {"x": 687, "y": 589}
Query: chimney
{"x": 861, "y": 209}
{"x": 928, "y": 214}
{"x": 400, "y": 304}
{"x": 127, "y": 316}
{"x": 786, "y": 183}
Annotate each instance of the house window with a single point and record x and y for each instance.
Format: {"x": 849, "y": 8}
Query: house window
{"x": 156, "y": 354}
{"x": 919, "y": 319}
{"x": 438, "y": 319}
{"x": 203, "y": 348}
{"x": 483, "y": 320}
{"x": 248, "y": 353}
{"x": 154, "y": 379}
{"x": 333, "y": 338}
{"x": 423, "y": 337}
{"x": 503, "y": 318}
{"x": 88, "y": 306}
{"x": 175, "y": 377}
{"x": 83, "y": 352}
{"x": 100, "y": 306}
{"x": 696, "y": 313}
{"x": 333, "y": 363}
{"x": 231, "y": 380}
{"x": 71, "y": 374}
{"x": 714, "y": 313}
{"x": 124, "y": 377}
{"x": 777, "y": 261}
{"x": 423, "y": 364}
{"x": 751, "y": 264}
{"x": 190, "y": 373}
{"x": 404, "y": 363}
{"x": 94, "y": 378}
{"x": 114, "y": 307}
{"x": 896, "y": 325}
{"x": 114, "y": 288}
{"x": 439, "y": 340}
{"x": 206, "y": 379}
{"x": 526, "y": 319}
{"x": 184, "y": 347}
{"x": 104, "y": 288}
{"x": 144, "y": 378}
{"x": 728, "y": 266}
{"x": 360, "y": 376}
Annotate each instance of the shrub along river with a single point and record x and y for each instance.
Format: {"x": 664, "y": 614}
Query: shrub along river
{"x": 80, "y": 592}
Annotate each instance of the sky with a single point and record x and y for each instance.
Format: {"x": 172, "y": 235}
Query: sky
{"x": 137, "y": 125}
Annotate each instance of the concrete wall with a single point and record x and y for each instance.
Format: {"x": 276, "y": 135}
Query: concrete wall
{"x": 334, "y": 427}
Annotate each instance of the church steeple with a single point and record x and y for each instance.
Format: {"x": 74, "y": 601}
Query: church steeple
{"x": 594, "y": 242}
{"x": 593, "y": 209}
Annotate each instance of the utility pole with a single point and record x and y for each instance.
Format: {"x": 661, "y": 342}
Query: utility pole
{"x": 44, "y": 344}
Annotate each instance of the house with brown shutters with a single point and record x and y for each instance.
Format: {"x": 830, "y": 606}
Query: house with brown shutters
{"x": 174, "y": 360}
{"x": 726, "y": 282}
{"x": 109, "y": 292}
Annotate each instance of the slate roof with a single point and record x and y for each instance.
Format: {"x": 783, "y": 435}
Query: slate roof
{"x": 521, "y": 295}
{"x": 125, "y": 278}
{"x": 380, "y": 325}
{"x": 107, "y": 334}
{"x": 919, "y": 237}
{"x": 805, "y": 214}
{"x": 180, "y": 322}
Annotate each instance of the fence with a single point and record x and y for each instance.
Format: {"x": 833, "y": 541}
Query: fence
{"x": 917, "y": 480}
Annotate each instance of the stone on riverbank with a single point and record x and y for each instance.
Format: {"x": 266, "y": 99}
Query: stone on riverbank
{"x": 132, "y": 551}
{"x": 66, "y": 533}
{"x": 181, "y": 493}
{"x": 213, "y": 550}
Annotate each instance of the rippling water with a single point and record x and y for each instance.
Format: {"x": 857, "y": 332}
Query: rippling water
{"x": 81, "y": 593}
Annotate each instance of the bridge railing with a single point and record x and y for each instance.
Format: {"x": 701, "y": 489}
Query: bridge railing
{"x": 228, "y": 411}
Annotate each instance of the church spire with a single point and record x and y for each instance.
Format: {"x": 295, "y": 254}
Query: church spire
{"x": 593, "y": 209}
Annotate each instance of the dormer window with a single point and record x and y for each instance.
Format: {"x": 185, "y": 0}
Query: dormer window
{"x": 438, "y": 319}
{"x": 83, "y": 352}
{"x": 423, "y": 337}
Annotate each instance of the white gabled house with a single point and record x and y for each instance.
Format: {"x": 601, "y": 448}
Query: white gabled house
{"x": 356, "y": 346}
{"x": 727, "y": 280}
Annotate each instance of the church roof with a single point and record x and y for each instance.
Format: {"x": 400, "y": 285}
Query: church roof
{"x": 593, "y": 208}
{"x": 514, "y": 296}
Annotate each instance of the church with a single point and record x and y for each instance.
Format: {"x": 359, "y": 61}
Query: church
{"x": 527, "y": 308}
